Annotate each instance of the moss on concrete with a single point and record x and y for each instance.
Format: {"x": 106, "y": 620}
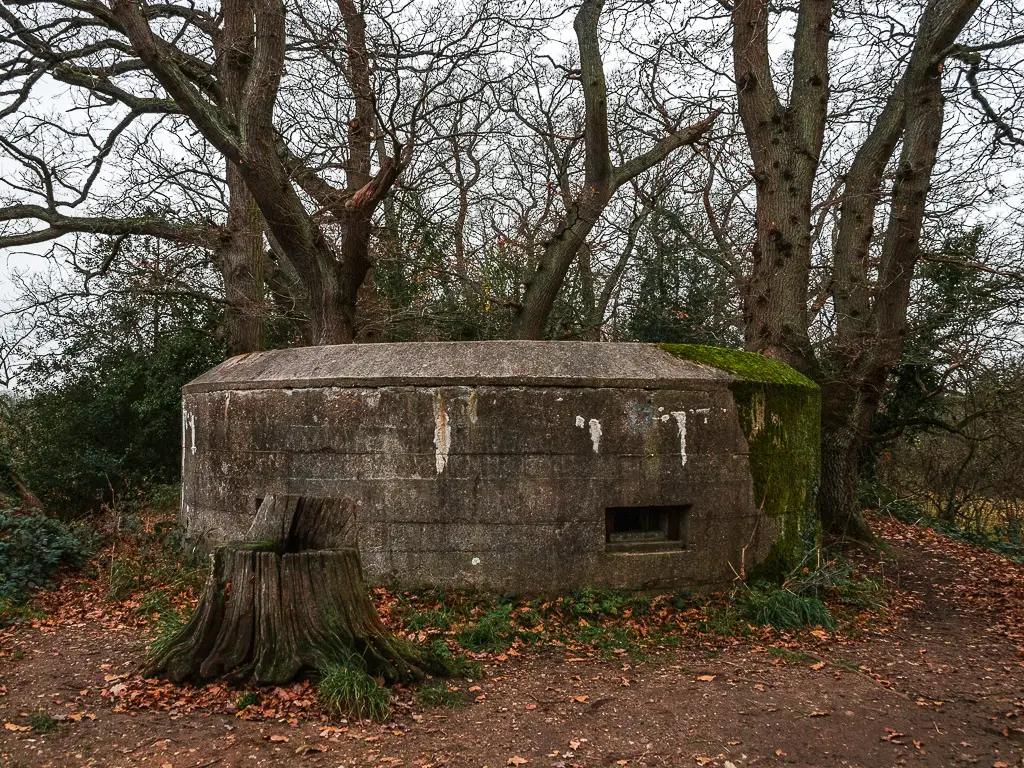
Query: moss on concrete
{"x": 748, "y": 365}
{"x": 780, "y": 413}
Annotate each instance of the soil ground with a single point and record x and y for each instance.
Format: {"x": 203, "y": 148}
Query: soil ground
{"x": 941, "y": 683}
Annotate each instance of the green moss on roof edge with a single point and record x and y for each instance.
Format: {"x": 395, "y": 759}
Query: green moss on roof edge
{"x": 779, "y": 411}
{"x": 748, "y": 365}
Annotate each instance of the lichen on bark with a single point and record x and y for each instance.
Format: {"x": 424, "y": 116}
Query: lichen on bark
{"x": 779, "y": 411}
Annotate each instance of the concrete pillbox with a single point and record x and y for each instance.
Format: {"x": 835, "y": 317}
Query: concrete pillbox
{"x": 515, "y": 466}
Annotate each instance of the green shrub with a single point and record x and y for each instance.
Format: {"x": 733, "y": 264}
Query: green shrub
{"x": 96, "y": 427}
{"x": 346, "y": 688}
{"x": 32, "y": 548}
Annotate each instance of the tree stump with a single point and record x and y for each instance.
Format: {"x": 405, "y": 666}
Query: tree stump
{"x": 291, "y": 598}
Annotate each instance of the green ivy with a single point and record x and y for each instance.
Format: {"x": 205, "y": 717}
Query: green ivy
{"x": 32, "y": 549}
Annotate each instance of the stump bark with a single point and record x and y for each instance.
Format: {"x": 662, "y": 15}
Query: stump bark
{"x": 289, "y": 599}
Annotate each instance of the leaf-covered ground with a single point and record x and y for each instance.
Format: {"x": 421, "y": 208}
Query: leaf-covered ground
{"x": 934, "y": 677}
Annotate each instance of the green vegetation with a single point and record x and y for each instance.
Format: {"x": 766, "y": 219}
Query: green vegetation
{"x": 11, "y": 611}
{"x": 616, "y": 623}
{"x": 788, "y": 656}
{"x": 440, "y": 618}
{"x": 42, "y": 721}
{"x": 33, "y": 548}
{"x": 590, "y": 603}
{"x": 1006, "y": 539}
{"x": 769, "y": 605}
{"x": 780, "y": 413}
{"x": 437, "y": 693}
{"x": 247, "y": 699}
{"x": 748, "y": 365}
{"x": 96, "y": 427}
{"x": 807, "y": 597}
{"x": 346, "y": 688}
{"x": 492, "y": 632}
{"x": 168, "y": 625}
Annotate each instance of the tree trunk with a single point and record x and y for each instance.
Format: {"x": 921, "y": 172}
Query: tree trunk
{"x": 291, "y": 599}
{"x": 242, "y": 260}
{"x": 869, "y": 347}
{"x": 559, "y": 254}
{"x": 838, "y": 506}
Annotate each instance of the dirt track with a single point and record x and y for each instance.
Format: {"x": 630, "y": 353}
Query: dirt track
{"x": 943, "y": 687}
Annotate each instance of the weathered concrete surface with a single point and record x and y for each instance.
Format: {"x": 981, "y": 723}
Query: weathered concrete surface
{"x": 486, "y": 464}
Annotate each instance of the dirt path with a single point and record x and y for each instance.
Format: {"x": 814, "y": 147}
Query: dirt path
{"x": 943, "y": 687}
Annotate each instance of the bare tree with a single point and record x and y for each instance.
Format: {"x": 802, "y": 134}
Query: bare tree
{"x": 869, "y": 281}
{"x": 224, "y": 72}
{"x": 602, "y": 177}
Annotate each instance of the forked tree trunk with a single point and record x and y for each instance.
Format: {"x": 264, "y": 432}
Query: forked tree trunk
{"x": 289, "y": 600}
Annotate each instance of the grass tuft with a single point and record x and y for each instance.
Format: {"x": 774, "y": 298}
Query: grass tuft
{"x": 346, "y": 688}
{"x": 247, "y": 699}
{"x": 588, "y": 603}
{"x": 441, "y": 618}
{"x": 788, "y": 656}
{"x": 781, "y": 608}
{"x": 42, "y": 722}
{"x": 492, "y": 633}
{"x": 436, "y": 693}
{"x": 168, "y": 626}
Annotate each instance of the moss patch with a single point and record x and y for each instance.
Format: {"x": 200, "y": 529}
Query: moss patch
{"x": 780, "y": 413}
{"x": 749, "y": 365}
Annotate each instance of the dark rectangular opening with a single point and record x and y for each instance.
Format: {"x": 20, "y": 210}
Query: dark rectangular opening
{"x": 646, "y": 529}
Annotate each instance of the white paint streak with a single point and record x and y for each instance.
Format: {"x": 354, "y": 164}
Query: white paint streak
{"x": 442, "y": 434}
{"x": 666, "y": 417}
{"x": 184, "y": 439}
{"x": 680, "y": 417}
{"x": 703, "y": 412}
{"x": 581, "y": 422}
{"x": 475, "y": 561}
{"x": 595, "y": 435}
{"x": 192, "y": 429}
{"x": 471, "y": 407}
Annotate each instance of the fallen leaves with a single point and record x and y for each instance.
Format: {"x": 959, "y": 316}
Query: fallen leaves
{"x": 701, "y": 760}
{"x": 15, "y": 727}
{"x": 515, "y": 760}
{"x": 706, "y": 678}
